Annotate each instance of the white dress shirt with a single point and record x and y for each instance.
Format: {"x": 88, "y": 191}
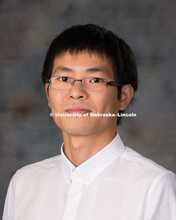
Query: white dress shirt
{"x": 115, "y": 184}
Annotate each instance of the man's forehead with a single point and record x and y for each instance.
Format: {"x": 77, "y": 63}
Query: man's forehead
{"x": 91, "y": 57}
{"x": 91, "y": 62}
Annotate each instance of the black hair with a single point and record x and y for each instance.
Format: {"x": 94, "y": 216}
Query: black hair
{"x": 95, "y": 39}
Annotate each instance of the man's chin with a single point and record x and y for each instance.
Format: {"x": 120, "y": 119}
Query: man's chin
{"x": 77, "y": 131}
{"x": 77, "y": 126}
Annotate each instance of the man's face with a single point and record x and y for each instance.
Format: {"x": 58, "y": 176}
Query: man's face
{"x": 79, "y": 100}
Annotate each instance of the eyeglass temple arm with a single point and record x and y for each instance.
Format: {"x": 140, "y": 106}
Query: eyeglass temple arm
{"x": 113, "y": 84}
{"x": 47, "y": 81}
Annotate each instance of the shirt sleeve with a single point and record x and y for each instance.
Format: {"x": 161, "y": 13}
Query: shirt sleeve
{"x": 9, "y": 202}
{"x": 160, "y": 202}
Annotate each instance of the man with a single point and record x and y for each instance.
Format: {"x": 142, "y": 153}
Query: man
{"x": 89, "y": 71}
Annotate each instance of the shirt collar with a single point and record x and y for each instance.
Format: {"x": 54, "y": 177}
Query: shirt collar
{"x": 92, "y": 167}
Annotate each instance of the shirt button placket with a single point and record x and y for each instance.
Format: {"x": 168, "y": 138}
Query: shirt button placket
{"x": 73, "y": 197}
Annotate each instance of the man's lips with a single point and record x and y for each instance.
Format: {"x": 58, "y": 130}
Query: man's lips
{"x": 78, "y": 110}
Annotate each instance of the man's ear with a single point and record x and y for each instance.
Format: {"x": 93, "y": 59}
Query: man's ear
{"x": 127, "y": 92}
{"x": 47, "y": 92}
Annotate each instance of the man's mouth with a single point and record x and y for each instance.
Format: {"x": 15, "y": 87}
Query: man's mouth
{"x": 77, "y": 110}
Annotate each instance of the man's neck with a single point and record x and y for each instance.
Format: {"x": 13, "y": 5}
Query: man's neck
{"x": 78, "y": 149}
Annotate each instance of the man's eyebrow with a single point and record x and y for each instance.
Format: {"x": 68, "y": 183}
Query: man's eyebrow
{"x": 63, "y": 69}
{"x": 98, "y": 69}
{"x": 89, "y": 70}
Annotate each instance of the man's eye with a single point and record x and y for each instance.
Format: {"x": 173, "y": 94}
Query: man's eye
{"x": 96, "y": 80}
{"x": 64, "y": 79}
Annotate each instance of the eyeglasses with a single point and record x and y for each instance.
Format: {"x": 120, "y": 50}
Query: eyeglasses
{"x": 93, "y": 83}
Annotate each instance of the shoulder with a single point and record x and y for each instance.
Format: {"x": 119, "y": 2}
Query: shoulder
{"x": 39, "y": 169}
{"x": 138, "y": 160}
{"x": 145, "y": 168}
{"x": 160, "y": 201}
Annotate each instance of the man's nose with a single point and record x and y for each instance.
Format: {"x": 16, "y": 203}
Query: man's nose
{"x": 78, "y": 91}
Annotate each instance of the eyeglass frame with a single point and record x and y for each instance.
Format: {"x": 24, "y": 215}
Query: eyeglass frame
{"x": 110, "y": 83}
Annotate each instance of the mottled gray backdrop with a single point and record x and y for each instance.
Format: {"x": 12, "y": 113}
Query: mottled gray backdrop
{"x": 27, "y": 133}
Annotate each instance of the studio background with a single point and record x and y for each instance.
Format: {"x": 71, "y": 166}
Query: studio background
{"x": 27, "y": 133}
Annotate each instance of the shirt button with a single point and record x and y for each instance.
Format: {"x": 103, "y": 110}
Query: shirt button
{"x": 75, "y": 177}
